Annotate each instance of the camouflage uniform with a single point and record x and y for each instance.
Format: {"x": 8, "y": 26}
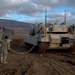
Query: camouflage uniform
{"x": 41, "y": 27}
{"x": 4, "y": 51}
{"x": 8, "y": 44}
{"x": 0, "y": 49}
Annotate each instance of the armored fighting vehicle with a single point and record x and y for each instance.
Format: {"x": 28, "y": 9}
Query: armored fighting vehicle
{"x": 72, "y": 29}
{"x": 50, "y": 36}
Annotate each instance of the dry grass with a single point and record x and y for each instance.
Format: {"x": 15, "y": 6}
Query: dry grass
{"x": 19, "y": 36}
{"x": 16, "y": 41}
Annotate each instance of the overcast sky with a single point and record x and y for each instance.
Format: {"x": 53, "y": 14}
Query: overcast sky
{"x": 33, "y": 10}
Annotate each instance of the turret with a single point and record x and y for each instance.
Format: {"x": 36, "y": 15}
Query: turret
{"x": 60, "y": 28}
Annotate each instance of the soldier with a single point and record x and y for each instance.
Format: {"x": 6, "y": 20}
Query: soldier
{"x": 41, "y": 27}
{"x": 4, "y": 50}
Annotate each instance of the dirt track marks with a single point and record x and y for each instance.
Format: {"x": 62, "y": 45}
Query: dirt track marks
{"x": 39, "y": 64}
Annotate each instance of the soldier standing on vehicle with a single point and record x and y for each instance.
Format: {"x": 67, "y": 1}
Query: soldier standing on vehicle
{"x": 40, "y": 27}
{"x": 4, "y": 50}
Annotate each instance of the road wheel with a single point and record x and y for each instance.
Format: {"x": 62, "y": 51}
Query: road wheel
{"x": 42, "y": 47}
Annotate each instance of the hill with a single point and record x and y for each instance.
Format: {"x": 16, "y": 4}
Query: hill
{"x": 14, "y": 24}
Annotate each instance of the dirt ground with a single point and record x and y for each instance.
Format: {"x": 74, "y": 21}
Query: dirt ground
{"x": 49, "y": 63}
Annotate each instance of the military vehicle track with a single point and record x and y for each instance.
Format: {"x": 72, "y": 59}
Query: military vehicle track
{"x": 42, "y": 47}
{"x": 49, "y": 63}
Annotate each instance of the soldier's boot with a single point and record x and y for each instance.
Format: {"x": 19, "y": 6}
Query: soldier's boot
{"x": 4, "y": 60}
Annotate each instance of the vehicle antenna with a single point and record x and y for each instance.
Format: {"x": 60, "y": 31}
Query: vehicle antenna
{"x": 45, "y": 16}
{"x": 65, "y": 17}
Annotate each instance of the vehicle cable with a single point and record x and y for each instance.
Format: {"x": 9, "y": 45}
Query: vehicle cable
{"x": 26, "y": 51}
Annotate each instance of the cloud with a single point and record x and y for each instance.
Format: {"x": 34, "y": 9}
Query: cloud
{"x": 53, "y": 17}
{"x": 50, "y": 3}
{"x": 62, "y": 14}
{"x": 34, "y": 8}
{"x": 70, "y": 3}
{"x": 30, "y": 7}
{"x": 6, "y": 16}
{"x": 60, "y": 17}
{"x": 20, "y": 7}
